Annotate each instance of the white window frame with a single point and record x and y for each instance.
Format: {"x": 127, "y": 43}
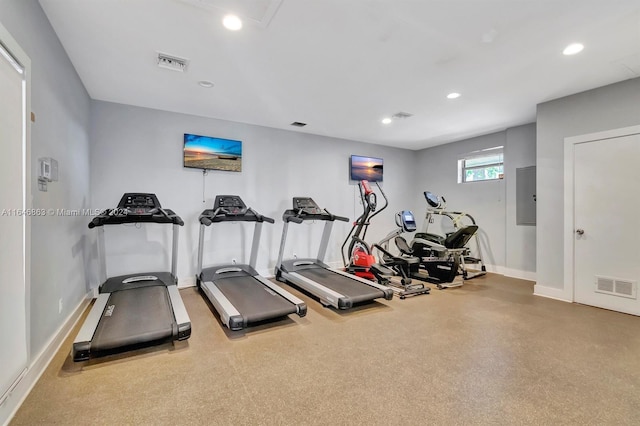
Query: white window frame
{"x": 475, "y": 155}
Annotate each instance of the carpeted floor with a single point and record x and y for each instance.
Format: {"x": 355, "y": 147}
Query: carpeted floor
{"x": 486, "y": 353}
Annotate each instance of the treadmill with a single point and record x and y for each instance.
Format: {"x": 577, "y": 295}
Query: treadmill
{"x": 136, "y": 310}
{"x": 332, "y": 286}
{"x": 240, "y": 295}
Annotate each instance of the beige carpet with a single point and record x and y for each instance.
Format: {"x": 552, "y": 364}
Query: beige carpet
{"x": 486, "y": 353}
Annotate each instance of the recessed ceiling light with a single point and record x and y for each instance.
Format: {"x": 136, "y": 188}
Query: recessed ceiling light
{"x": 573, "y": 48}
{"x": 232, "y": 22}
{"x": 206, "y": 84}
{"x": 386, "y": 120}
{"x": 453, "y": 95}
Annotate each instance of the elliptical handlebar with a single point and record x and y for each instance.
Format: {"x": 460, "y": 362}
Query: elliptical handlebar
{"x": 386, "y": 201}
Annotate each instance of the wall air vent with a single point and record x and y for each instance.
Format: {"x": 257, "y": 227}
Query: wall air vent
{"x": 298, "y": 124}
{"x": 617, "y": 287}
{"x": 172, "y": 62}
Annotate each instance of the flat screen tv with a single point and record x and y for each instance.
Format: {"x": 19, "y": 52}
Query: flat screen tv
{"x": 208, "y": 153}
{"x": 369, "y": 168}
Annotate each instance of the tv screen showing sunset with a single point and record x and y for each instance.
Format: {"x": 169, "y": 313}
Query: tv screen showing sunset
{"x": 369, "y": 168}
{"x": 205, "y": 152}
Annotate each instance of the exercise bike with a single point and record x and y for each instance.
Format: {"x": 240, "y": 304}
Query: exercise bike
{"x": 406, "y": 265}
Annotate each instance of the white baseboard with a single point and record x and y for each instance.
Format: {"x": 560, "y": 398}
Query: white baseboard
{"x": 187, "y": 282}
{"x": 517, "y": 273}
{"x": 551, "y": 293}
{"x": 267, "y": 273}
{"x": 39, "y": 364}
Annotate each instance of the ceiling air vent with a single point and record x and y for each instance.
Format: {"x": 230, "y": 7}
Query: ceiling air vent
{"x": 172, "y": 62}
{"x": 401, "y": 115}
{"x": 298, "y": 124}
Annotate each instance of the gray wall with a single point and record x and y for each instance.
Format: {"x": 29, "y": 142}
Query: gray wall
{"x": 491, "y": 203}
{"x": 61, "y": 105}
{"x": 139, "y": 149}
{"x": 520, "y": 243}
{"x": 604, "y": 108}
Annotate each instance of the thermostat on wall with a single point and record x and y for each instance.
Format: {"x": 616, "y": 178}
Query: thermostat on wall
{"x": 47, "y": 172}
{"x": 48, "y": 169}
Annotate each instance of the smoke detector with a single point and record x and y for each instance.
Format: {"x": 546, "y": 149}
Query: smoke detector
{"x": 173, "y": 63}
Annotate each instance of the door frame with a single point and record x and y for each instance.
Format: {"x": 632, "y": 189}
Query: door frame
{"x": 19, "y": 54}
{"x": 569, "y": 207}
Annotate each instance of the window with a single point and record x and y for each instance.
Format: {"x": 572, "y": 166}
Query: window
{"x": 487, "y": 164}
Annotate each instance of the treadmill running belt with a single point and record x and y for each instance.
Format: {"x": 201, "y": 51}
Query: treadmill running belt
{"x": 134, "y": 317}
{"x": 354, "y": 289}
{"x": 253, "y": 300}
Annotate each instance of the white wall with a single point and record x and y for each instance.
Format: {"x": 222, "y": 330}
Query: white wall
{"x": 604, "y": 108}
{"x": 61, "y": 106}
{"x": 139, "y": 149}
{"x": 58, "y": 243}
{"x": 506, "y": 247}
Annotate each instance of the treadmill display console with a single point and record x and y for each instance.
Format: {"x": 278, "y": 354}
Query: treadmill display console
{"x": 139, "y": 204}
{"x": 231, "y": 205}
{"x": 306, "y": 205}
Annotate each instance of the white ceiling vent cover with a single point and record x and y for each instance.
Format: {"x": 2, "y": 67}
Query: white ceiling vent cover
{"x": 617, "y": 287}
{"x": 172, "y": 62}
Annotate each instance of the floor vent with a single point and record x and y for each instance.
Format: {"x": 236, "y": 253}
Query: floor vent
{"x": 617, "y": 287}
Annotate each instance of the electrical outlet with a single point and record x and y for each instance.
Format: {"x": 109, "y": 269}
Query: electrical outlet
{"x": 60, "y": 306}
{"x": 295, "y": 256}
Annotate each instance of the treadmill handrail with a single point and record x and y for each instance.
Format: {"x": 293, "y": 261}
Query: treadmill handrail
{"x": 300, "y": 216}
{"x": 119, "y": 216}
{"x": 209, "y": 216}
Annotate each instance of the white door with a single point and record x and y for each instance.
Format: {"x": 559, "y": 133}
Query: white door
{"x": 606, "y": 222}
{"x": 13, "y": 333}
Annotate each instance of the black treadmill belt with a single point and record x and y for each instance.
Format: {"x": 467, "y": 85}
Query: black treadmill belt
{"x": 253, "y": 300}
{"x": 354, "y": 289}
{"x": 135, "y": 317}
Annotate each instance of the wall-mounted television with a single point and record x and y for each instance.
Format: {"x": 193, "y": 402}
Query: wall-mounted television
{"x": 208, "y": 153}
{"x": 369, "y": 168}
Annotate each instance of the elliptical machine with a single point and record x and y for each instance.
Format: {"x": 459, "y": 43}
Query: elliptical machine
{"x": 360, "y": 257}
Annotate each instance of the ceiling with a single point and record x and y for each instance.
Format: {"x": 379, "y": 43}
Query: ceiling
{"x": 341, "y": 66}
